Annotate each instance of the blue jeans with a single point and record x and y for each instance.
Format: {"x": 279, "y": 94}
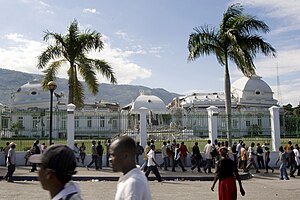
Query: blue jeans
{"x": 208, "y": 165}
{"x": 283, "y": 173}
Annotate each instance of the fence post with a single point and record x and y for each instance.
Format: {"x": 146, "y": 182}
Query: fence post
{"x": 212, "y": 122}
{"x": 143, "y": 125}
{"x": 275, "y": 127}
{"x": 70, "y": 125}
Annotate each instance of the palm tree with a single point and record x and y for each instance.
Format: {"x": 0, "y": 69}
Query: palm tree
{"x": 237, "y": 40}
{"x": 72, "y": 49}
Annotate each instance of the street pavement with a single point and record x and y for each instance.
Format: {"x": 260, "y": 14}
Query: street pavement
{"x": 102, "y": 185}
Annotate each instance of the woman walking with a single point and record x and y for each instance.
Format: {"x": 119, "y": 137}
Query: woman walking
{"x": 227, "y": 174}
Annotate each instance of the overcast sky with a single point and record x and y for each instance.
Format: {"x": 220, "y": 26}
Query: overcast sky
{"x": 146, "y": 41}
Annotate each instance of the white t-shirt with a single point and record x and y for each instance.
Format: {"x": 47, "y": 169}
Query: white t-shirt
{"x": 133, "y": 186}
{"x": 151, "y": 155}
{"x": 207, "y": 151}
{"x": 250, "y": 152}
{"x": 12, "y": 156}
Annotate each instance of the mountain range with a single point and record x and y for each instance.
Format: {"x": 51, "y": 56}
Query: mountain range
{"x": 11, "y": 80}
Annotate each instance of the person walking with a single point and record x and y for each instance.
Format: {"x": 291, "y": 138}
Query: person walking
{"x": 139, "y": 152}
{"x": 259, "y": 156}
{"x": 165, "y": 156}
{"x": 94, "y": 156}
{"x": 297, "y": 157}
{"x": 35, "y": 150}
{"x": 197, "y": 157}
{"x": 267, "y": 159}
{"x": 133, "y": 184}
{"x": 107, "y": 152}
{"x": 99, "y": 154}
{"x": 5, "y": 151}
{"x": 11, "y": 162}
{"x": 146, "y": 151}
{"x": 183, "y": 153}
{"x": 152, "y": 164}
{"x": 177, "y": 159}
{"x": 82, "y": 153}
{"x": 243, "y": 159}
{"x": 57, "y": 166}
{"x": 208, "y": 157}
{"x": 251, "y": 160}
{"x": 227, "y": 174}
{"x": 284, "y": 161}
{"x": 76, "y": 151}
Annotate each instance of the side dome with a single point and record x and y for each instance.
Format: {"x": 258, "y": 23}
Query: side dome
{"x": 253, "y": 91}
{"x": 150, "y": 102}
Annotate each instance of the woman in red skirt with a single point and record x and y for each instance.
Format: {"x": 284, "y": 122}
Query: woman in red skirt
{"x": 227, "y": 174}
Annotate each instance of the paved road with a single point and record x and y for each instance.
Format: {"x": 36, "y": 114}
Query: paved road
{"x": 260, "y": 186}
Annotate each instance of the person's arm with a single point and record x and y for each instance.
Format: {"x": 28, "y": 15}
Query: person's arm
{"x": 238, "y": 178}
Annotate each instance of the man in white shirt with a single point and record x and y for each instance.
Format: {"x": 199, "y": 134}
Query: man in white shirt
{"x": 251, "y": 155}
{"x": 11, "y": 162}
{"x": 133, "y": 185}
{"x": 207, "y": 153}
{"x": 297, "y": 158}
{"x": 152, "y": 164}
{"x": 57, "y": 165}
{"x": 177, "y": 159}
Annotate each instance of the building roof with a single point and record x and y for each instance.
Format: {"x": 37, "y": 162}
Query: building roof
{"x": 150, "y": 102}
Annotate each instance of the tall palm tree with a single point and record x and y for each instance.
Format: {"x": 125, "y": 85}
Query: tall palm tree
{"x": 72, "y": 49}
{"x": 237, "y": 40}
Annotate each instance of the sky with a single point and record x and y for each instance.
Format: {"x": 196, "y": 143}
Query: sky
{"x": 146, "y": 41}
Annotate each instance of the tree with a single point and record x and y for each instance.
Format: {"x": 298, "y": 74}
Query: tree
{"x": 236, "y": 40}
{"x": 72, "y": 49}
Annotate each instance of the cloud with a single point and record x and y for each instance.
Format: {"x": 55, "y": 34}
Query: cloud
{"x": 22, "y": 55}
{"x": 40, "y": 6}
{"x": 90, "y": 10}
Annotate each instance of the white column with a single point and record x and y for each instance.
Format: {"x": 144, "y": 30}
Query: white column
{"x": 70, "y": 125}
{"x": 143, "y": 125}
{"x": 275, "y": 127}
{"x": 212, "y": 123}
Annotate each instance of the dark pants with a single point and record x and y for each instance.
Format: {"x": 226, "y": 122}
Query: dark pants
{"x": 260, "y": 162}
{"x": 33, "y": 168}
{"x": 178, "y": 161}
{"x": 155, "y": 172}
{"x": 94, "y": 160}
{"x": 82, "y": 157}
{"x": 10, "y": 171}
{"x": 208, "y": 165}
{"x": 197, "y": 164}
{"x": 99, "y": 160}
{"x": 267, "y": 166}
{"x": 166, "y": 162}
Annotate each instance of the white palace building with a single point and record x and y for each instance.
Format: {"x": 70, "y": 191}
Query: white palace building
{"x": 28, "y": 114}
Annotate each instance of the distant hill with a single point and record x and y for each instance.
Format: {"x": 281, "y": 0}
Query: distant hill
{"x": 11, "y": 80}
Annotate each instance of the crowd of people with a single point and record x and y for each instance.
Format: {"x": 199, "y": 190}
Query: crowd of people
{"x": 124, "y": 155}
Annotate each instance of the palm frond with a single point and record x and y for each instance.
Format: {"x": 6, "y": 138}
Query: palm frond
{"x": 50, "y": 73}
{"x": 51, "y": 53}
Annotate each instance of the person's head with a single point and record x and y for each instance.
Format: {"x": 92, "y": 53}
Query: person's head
{"x": 152, "y": 141}
{"x": 137, "y": 143}
{"x": 290, "y": 142}
{"x": 99, "y": 142}
{"x": 243, "y": 145}
{"x": 267, "y": 148}
{"x": 7, "y": 143}
{"x": 57, "y": 165}
{"x": 208, "y": 141}
{"x": 164, "y": 143}
{"x": 196, "y": 143}
{"x": 296, "y": 146}
{"x": 148, "y": 143}
{"x": 224, "y": 152}
{"x": 182, "y": 143}
{"x": 168, "y": 142}
{"x": 12, "y": 145}
{"x": 226, "y": 144}
{"x": 152, "y": 146}
{"x": 93, "y": 142}
{"x": 177, "y": 145}
{"x": 252, "y": 144}
{"x": 82, "y": 144}
{"x": 37, "y": 141}
{"x": 240, "y": 141}
{"x": 75, "y": 144}
{"x": 281, "y": 149}
{"x": 122, "y": 154}
{"x": 216, "y": 141}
